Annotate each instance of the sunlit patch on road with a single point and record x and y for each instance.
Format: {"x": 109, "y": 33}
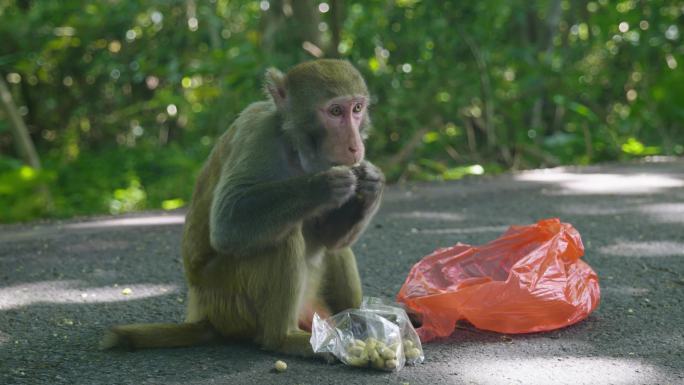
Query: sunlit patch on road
{"x": 624, "y": 290}
{"x": 620, "y": 184}
{"x": 159, "y": 220}
{"x": 556, "y": 370}
{"x": 92, "y": 226}
{"x": 664, "y": 212}
{"x": 74, "y": 291}
{"x": 430, "y": 215}
{"x": 468, "y": 230}
{"x": 644, "y": 249}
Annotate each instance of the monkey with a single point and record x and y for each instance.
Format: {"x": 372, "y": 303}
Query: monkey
{"x": 282, "y": 197}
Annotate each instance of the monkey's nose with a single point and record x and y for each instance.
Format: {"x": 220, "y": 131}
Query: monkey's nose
{"x": 353, "y": 150}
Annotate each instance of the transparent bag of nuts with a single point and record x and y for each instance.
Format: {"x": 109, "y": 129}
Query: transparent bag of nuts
{"x": 376, "y": 335}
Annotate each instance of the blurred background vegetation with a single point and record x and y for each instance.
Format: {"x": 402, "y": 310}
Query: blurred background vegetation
{"x": 111, "y": 106}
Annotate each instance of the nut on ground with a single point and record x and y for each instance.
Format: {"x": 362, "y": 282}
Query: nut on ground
{"x": 280, "y": 366}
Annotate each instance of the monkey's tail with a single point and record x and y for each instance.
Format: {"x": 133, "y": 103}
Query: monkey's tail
{"x": 159, "y": 335}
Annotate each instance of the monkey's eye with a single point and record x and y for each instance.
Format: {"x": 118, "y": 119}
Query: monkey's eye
{"x": 335, "y": 110}
{"x": 358, "y": 107}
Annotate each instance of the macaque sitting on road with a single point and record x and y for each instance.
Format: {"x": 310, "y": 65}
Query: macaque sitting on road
{"x": 284, "y": 194}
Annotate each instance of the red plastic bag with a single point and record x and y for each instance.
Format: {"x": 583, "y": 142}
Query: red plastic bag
{"x": 530, "y": 279}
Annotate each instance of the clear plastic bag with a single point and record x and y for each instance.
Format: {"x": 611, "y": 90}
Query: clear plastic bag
{"x": 377, "y": 335}
{"x": 530, "y": 279}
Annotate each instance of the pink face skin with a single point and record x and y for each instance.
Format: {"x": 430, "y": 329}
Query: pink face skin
{"x": 342, "y": 118}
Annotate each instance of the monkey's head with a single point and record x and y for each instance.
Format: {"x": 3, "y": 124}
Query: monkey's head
{"x": 324, "y": 106}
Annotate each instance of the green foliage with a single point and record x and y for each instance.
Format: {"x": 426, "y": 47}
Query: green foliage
{"x": 124, "y": 99}
{"x": 21, "y": 195}
{"x": 634, "y": 147}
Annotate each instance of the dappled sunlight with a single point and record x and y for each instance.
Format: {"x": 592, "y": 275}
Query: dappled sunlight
{"x": 667, "y": 213}
{"x": 158, "y": 220}
{"x": 593, "y": 209}
{"x": 429, "y": 215}
{"x": 625, "y": 290}
{"x": 664, "y": 212}
{"x": 91, "y": 226}
{"x": 644, "y": 249}
{"x": 469, "y": 230}
{"x": 556, "y": 370}
{"x": 74, "y": 291}
{"x": 577, "y": 183}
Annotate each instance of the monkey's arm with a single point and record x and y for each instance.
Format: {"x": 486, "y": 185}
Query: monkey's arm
{"x": 255, "y": 217}
{"x": 341, "y": 227}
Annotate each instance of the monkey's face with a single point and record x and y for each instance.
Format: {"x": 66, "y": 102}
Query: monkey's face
{"x": 343, "y": 118}
{"x": 323, "y": 104}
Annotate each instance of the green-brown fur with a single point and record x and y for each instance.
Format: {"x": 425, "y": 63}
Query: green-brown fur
{"x": 264, "y": 236}
{"x": 312, "y": 82}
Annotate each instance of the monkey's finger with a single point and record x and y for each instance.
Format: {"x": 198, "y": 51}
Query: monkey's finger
{"x": 360, "y": 174}
{"x": 368, "y": 191}
{"x": 366, "y": 183}
{"x": 343, "y": 180}
{"x": 343, "y": 184}
{"x": 340, "y": 172}
{"x": 373, "y": 174}
{"x": 372, "y": 180}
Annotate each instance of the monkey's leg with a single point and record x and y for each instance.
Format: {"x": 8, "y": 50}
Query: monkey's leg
{"x": 194, "y": 311}
{"x": 341, "y": 283}
{"x": 284, "y": 288}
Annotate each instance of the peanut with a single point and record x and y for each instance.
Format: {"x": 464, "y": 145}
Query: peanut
{"x": 391, "y": 364}
{"x": 412, "y": 353}
{"x": 280, "y": 366}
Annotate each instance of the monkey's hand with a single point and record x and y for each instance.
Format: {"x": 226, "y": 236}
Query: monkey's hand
{"x": 339, "y": 185}
{"x": 358, "y": 197}
{"x": 370, "y": 183}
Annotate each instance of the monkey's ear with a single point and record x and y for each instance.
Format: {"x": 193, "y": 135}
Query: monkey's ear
{"x": 275, "y": 86}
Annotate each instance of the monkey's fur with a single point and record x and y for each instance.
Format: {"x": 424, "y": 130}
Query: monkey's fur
{"x": 268, "y": 233}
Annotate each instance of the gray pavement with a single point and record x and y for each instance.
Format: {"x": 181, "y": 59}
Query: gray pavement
{"x": 62, "y": 283}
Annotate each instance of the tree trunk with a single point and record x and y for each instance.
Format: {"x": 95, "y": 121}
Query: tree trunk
{"x": 25, "y": 147}
{"x": 336, "y": 19}
{"x": 306, "y": 20}
{"x": 485, "y": 89}
{"x": 552, "y": 21}
{"x": 290, "y": 30}
{"x": 272, "y": 23}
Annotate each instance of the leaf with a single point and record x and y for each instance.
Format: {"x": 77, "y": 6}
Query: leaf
{"x": 635, "y": 147}
{"x": 172, "y": 204}
{"x": 582, "y": 110}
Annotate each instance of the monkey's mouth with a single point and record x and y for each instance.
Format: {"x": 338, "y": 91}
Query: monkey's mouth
{"x": 348, "y": 164}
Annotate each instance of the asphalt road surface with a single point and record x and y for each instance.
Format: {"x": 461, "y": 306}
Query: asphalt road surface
{"x": 63, "y": 283}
